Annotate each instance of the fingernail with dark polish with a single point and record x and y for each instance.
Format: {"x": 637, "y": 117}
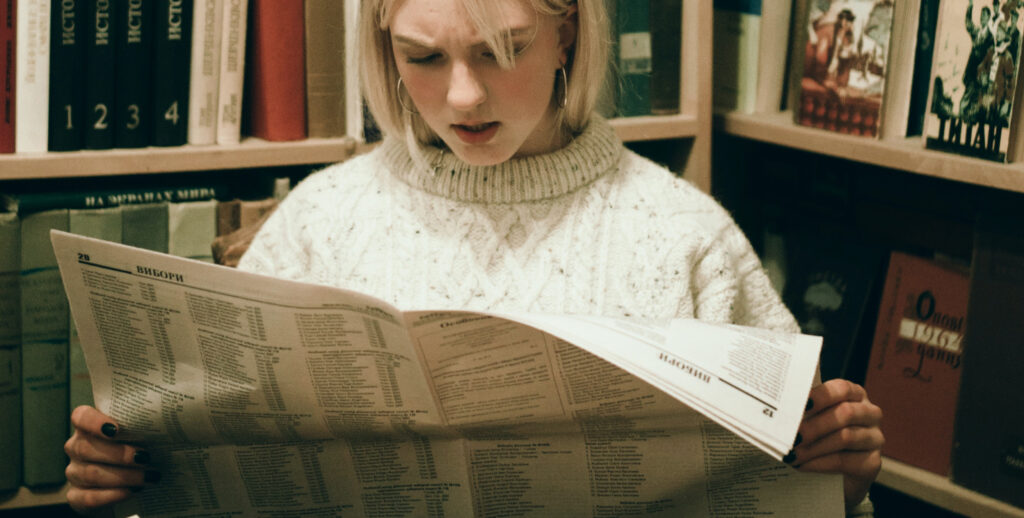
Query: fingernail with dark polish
{"x": 141, "y": 457}
{"x": 152, "y": 477}
{"x": 810, "y": 405}
{"x": 799, "y": 439}
{"x": 790, "y": 457}
{"x": 108, "y": 429}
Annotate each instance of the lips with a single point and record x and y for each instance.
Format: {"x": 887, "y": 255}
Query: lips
{"x": 476, "y": 133}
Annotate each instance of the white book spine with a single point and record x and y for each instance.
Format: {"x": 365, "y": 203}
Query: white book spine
{"x": 32, "y": 58}
{"x": 353, "y": 95}
{"x": 232, "y": 71}
{"x": 207, "y": 28}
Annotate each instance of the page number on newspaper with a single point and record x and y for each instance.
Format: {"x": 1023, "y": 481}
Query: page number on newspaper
{"x": 768, "y": 412}
{"x": 83, "y": 257}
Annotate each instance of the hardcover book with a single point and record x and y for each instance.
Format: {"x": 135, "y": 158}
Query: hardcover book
{"x": 915, "y": 364}
{"x": 44, "y": 352}
{"x": 145, "y": 226}
{"x": 923, "y": 54}
{"x": 100, "y": 69}
{"x": 666, "y": 47}
{"x": 232, "y": 70}
{"x": 172, "y": 50}
{"x": 191, "y": 229}
{"x": 325, "y": 80}
{"x": 32, "y": 51}
{"x": 844, "y": 65}
{"x": 204, "y": 79}
{"x": 133, "y": 91}
{"x": 10, "y": 351}
{"x": 988, "y": 454}
{"x": 8, "y": 15}
{"x": 67, "y": 72}
{"x": 276, "y": 95}
{"x": 973, "y": 79}
{"x": 737, "y": 33}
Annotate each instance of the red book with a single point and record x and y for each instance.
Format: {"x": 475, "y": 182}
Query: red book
{"x": 276, "y": 67}
{"x": 7, "y": 32}
{"x": 914, "y": 370}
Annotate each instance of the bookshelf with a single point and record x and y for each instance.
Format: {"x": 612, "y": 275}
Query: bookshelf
{"x": 906, "y": 155}
{"x": 686, "y": 136}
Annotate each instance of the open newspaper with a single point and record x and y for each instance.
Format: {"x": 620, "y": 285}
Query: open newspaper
{"x": 264, "y": 397}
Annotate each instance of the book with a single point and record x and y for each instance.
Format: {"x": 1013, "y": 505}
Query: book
{"x": 988, "y": 452}
{"x": 133, "y": 73}
{"x": 67, "y": 72}
{"x": 633, "y": 34}
{"x": 100, "y": 67}
{"x": 776, "y": 16}
{"x": 105, "y": 224}
{"x": 973, "y": 79}
{"x": 8, "y": 15}
{"x": 232, "y": 70}
{"x": 900, "y": 72}
{"x": 923, "y": 54}
{"x": 191, "y": 229}
{"x": 29, "y": 202}
{"x": 354, "y": 117}
{"x": 145, "y": 226}
{"x": 666, "y": 20}
{"x": 844, "y": 66}
{"x": 325, "y": 80}
{"x": 276, "y": 94}
{"x": 238, "y": 222}
{"x": 44, "y": 352}
{"x": 914, "y": 368}
{"x": 10, "y": 351}
{"x": 736, "y": 33}
{"x": 204, "y": 78}
{"x": 172, "y": 52}
{"x": 32, "y": 67}
{"x": 828, "y": 286}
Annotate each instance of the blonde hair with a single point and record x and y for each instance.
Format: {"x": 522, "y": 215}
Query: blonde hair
{"x": 585, "y": 68}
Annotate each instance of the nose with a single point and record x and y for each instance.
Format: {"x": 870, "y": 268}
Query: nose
{"x": 465, "y": 90}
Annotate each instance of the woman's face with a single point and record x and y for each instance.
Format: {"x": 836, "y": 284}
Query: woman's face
{"x": 484, "y": 113}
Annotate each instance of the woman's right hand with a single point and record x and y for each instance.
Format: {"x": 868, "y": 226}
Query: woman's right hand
{"x": 102, "y": 471}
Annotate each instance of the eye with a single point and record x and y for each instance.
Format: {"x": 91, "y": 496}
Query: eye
{"x": 516, "y": 51}
{"x": 422, "y": 60}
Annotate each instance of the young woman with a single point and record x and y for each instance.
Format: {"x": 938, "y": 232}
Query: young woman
{"x": 497, "y": 188}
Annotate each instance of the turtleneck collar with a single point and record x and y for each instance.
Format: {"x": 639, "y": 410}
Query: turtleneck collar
{"x": 438, "y": 171}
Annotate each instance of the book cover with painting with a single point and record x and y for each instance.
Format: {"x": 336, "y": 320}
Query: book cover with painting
{"x": 847, "y": 46}
{"x": 974, "y": 73}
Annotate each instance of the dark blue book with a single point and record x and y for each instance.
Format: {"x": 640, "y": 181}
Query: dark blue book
{"x": 929, "y": 15}
{"x": 133, "y": 92}
{"x": 67, "y": 71}
{"x": 172, "y": 49}
{"x": 98, "y": 132}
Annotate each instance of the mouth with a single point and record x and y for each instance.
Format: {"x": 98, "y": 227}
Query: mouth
{"x": 476, "y": 133}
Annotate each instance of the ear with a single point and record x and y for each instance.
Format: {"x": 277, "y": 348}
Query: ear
{"x": 567, "y": 33}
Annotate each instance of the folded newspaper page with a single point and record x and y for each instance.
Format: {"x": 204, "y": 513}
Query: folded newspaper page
{"x": 264, "y": 397}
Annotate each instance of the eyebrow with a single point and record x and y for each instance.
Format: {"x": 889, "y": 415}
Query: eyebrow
{"x": 411, "y": 41}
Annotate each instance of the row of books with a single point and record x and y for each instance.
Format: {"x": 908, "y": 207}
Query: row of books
{"x": 934, "y": 341}
{"x": 944, "y": 70}
{"x": 102, "y": 74}
{"x": 42, "y": 370}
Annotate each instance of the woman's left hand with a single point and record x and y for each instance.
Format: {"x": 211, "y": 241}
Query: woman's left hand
{"x": 840, "y": 433}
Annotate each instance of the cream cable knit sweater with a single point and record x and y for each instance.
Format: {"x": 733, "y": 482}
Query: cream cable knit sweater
{"x": 589, "y": 229}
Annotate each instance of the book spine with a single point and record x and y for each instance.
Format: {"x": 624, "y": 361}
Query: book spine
{"x": 99, "y": 75}
{"x": 191, "y": 229}
{"x": 8, "y": 13}
{"x": 145, "y": 226}
{"x": 276, "y": 62}
{"x": 133, "y": 75}
{"x": 67, "y": 71}
{"x": 666, "y": 39}
{"x": 207, "y": 27}
{"x": 232, "y": 70}
{"x": 927, "y": 20}
{"x": 771, "y": 60}
{"x": 634, "y": 37}
{"x": 44, "y": 351}
{"x": 354, "y": 118}
{"x": 737, "y": 31}
{"x": 101, "y": 224}
{"x": 33, "y": 76}
{"x": 325, "y": 80}
{"x": 35, "y": 202}
{"x": 10, "y": 352}
{"x": 172, "y": 49}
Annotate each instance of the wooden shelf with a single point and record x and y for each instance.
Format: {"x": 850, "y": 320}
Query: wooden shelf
{"x": 655, "y": 127}
{"x": 907, "y": 154}
{"x": 252, "y": 152}
{"x": 28, "y": 498}
{"x": 942, "y": 492}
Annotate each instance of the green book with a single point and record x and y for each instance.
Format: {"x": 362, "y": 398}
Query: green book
{"x": 44, "y": 351}
{"x": 10, "y": 352}
{"x": 145, "y": 226}
{"x": 102, "y": 224}
{"x": 191, "y": 229}
{"x": 633, "y": 31}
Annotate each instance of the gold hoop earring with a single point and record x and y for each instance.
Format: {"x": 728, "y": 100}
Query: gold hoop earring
{"x": 398, "y": 92}
{"x": 564, "y": 99}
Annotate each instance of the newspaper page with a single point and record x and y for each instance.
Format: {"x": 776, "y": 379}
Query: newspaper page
{"x": 264, "y": 397}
